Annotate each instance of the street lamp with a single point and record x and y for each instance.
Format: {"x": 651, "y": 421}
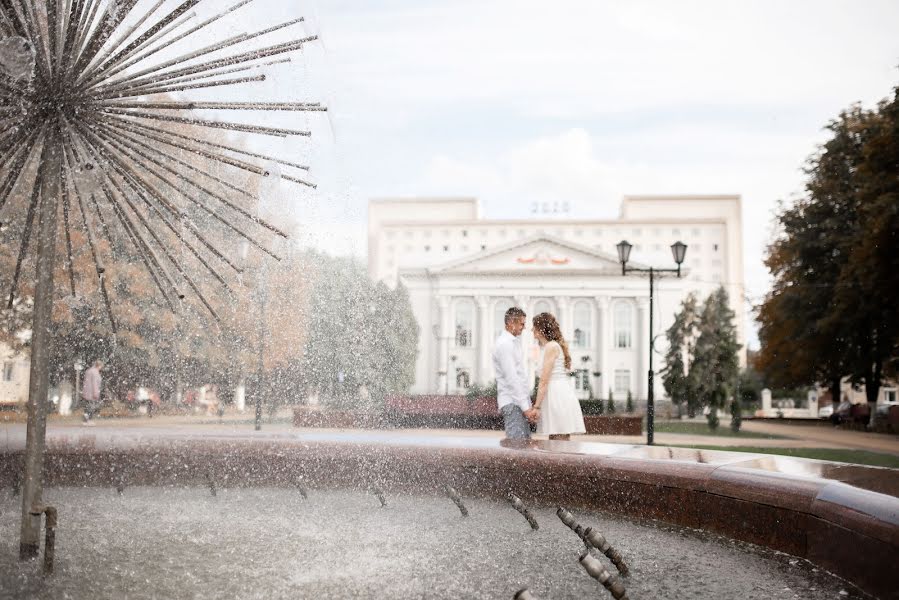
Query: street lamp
{"x": 79, "y": 366}
{"x": 678, "y": 252}
{"x": 450, "y": 371}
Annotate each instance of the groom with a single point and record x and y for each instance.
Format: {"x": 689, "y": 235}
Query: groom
{"x": 513, "y": 395}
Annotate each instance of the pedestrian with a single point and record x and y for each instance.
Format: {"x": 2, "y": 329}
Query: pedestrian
{"x": 90, "y": 391}
{"x": 556, "y": 411}
{"x": 513, "y": 395}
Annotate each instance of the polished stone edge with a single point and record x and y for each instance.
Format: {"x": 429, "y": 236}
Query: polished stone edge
{"x": 804, "y": 516}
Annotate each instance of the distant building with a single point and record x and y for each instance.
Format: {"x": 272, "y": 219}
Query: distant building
{"x": 463, "y": 272}
{"x": 15, "y": 371}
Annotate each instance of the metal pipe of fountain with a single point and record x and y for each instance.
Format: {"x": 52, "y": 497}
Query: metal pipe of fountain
{"x": 524, "y": 594}
{"x": 567, "y": 518}
{"x": 303, "y": 493}
{"x": 49, "y": 534}
{"x": 457, "y": 499}
{"x": 377, "y": 492}
{"x": 211, "y": 483}
{"x": 598, "y": 541}
{"x": 597, "y": 571}
{"x": 518, "y": 505}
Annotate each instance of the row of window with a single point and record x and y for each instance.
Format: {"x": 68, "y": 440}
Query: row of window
{"x": 582, "y": 381}
{"x": 8, "y": 369}
{"x": 582, "y": 321}
{"x": 617, "y": 232}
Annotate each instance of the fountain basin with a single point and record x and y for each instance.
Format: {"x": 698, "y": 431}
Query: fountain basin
{"x": 810, "y": 509}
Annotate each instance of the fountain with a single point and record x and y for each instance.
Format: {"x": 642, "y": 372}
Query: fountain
{"x": 87, "y": 96}
{"x": 667, "y": 524}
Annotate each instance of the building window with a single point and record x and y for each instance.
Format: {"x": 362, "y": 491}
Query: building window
{"x": 542, "y": 306}
{"x": 579, "y": 232}
{"x": 8, "y": 367}
{"x": 499, "y": 315}
{"x": 582, "y": 380}
{"x": 463, "y": 379}
{"x": 427, "y": 248}
{"x": 582, "y": 325}
{"x": 483, "y": 246}
{"x": 464, "y": 323}
{"x": 715, "y": 247}
{"x": 597, "y": 232}
{"x": 889, "y": 396}
{"x": 622, "y": 381}
{"x": 638, "y": 231}
{"x": 427, "y": 233}
{"x": 446, "y": 248}
{"x": 695, "y": 232}
{"x": 696, "y": 247}
{"x": 464, "y": 248}
{"x": 410, "y": 234}
{"x": 464, "y": 233}
{"x": 675, "y": 232}
{"x": 624, "y": 317}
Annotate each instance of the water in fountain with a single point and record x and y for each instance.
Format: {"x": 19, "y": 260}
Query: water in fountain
{"x": 270, "y": 543}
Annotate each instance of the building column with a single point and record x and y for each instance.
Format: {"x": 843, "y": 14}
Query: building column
{"x": 565, "y": 317}
{"x": 483, "y": 372}
{"x": 643, "y": 344}
{"x": 603, "y": 337}
{"x": 443, "y": 338}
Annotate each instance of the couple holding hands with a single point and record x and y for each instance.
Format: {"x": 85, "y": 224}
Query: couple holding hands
{"x": 556, "y": 409}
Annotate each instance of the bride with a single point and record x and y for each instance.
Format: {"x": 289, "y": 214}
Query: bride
{"x": 556, "y": 409}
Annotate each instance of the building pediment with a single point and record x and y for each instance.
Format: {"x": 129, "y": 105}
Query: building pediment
{"x": 539, "y": 254}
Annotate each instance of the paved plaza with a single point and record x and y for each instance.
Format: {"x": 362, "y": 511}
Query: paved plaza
{"x": 787, "y": 435}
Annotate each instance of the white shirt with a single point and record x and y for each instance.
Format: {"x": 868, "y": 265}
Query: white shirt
{"x": 511, "y": 379}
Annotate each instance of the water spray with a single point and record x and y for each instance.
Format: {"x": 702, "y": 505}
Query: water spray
{"x": 377, "y": 492}
{"x": 518, "y": 505}
{"x": 211, "y": 483}
{"x": 303, "y": 493}
{"x": 457, "y": 499}
{"x": 597, "y": 571}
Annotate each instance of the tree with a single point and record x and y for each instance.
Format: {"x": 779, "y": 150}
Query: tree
{"x": 679, "y": 384}
{"x": 359, "y": 333}
{"x": 610, "y": 406}
{"x": 831, "y": 311}
{"x": 629, "y": 407}
{"x": 715, "y": 363}
{"x": 736, "y": 415}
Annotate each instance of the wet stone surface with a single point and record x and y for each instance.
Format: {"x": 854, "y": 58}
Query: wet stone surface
{"x": 271, "y": 543}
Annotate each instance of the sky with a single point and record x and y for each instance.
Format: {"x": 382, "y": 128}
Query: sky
{"x": 517, "y": 101}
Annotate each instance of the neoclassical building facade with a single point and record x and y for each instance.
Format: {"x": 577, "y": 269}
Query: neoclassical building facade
{"x": 464, "y": 272}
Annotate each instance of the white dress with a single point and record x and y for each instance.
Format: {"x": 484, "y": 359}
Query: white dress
{"x": 560, "y": 412}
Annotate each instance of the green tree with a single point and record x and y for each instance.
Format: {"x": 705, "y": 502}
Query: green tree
{"x": 677, "y": 379}
{"x": 629, "y": 407}
{"x": 831, "y": 311}
{"x": 359, "y": 333}
{"x": 610, "y": 405}
{"x": 715, "y": 362}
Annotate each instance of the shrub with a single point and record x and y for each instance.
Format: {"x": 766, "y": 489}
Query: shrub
{"x": 629, "y": 407}
{"x": 610, "y": 407}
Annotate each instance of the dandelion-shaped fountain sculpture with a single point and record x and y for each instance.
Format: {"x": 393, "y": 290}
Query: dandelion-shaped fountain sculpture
{"x": 84, "y": 88}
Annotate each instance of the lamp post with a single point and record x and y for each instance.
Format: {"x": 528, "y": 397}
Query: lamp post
{"x": 450, "y": 371}
{"x": 678, "y": 252}
{"x": 79, "y": 366}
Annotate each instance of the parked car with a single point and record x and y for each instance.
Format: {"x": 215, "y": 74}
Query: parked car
{"x": 825, "y": 411}
{"x": 840, "y": 414}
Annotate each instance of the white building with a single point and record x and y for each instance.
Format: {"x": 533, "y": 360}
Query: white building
{"x": 15, "y": 371}
{"x": 463, "y": 272}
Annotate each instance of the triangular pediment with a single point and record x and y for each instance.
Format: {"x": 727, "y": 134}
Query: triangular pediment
{"x": 539, "y": 254}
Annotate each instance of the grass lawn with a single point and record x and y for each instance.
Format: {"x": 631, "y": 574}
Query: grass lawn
{"x": 724, "y": 430}
{"x": 856, "y": 457}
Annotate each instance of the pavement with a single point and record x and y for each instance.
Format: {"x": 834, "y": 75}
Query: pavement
{"x": 793, "y": 436}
